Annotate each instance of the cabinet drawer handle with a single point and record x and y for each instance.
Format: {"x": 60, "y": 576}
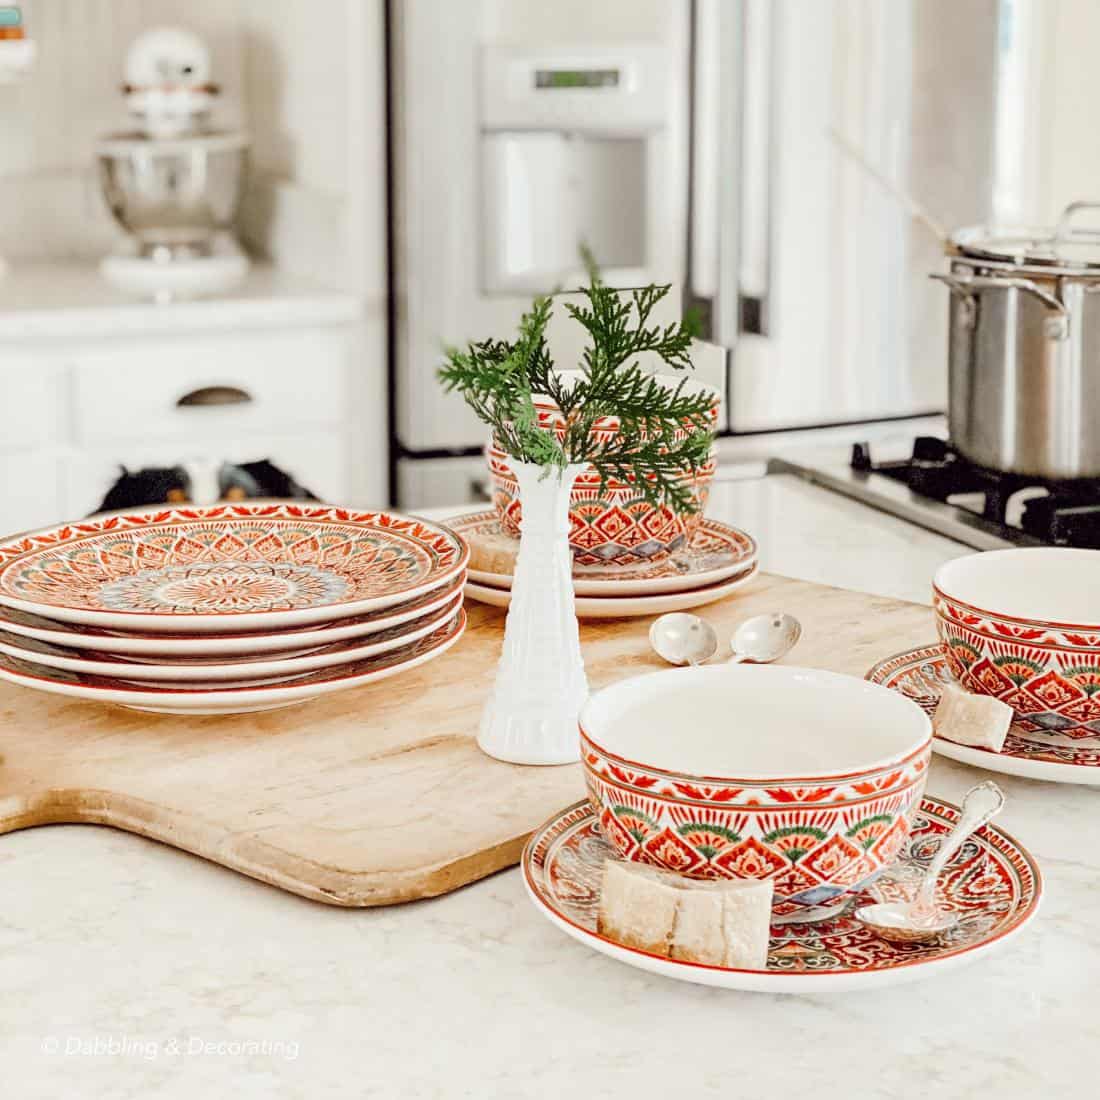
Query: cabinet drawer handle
{"x": 215, "y": 395}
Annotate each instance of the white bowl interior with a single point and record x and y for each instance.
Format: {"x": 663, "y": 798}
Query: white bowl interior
{"x": 1048, "y": 583}
{"x": 754, "y": 722}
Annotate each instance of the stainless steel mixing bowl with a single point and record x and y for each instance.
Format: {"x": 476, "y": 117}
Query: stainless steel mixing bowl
{"x": 173, "y": 195}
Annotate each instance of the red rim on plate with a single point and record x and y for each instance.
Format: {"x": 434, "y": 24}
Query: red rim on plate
{"x": 176, "y": 670}
{"x": 626, "y": 607}
{"x": 994, "y": 884}
{"x": 227, "y": 567}
{"x": 291, "y": 689}
{"x": 170, "y": 645}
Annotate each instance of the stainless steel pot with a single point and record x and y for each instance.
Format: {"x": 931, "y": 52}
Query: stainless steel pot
{"x": 1024, "y": 349}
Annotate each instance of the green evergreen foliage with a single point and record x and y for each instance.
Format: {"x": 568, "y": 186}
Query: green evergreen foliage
{"x": 499, "y": 379}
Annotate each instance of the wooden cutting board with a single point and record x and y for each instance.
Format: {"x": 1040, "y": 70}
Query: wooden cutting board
{"x": 372, "y": 796}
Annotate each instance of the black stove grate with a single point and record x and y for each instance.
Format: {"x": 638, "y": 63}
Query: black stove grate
{"x": 1061, "y": 513}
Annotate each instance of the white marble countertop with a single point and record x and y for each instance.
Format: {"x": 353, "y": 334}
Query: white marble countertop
{"x": 129, "y": 970}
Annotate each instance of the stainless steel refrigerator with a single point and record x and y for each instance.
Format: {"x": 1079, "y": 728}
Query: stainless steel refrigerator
{"x": 706, "y": 143}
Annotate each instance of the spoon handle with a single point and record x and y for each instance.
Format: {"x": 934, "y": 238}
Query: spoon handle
{"x": 980, "y": 804}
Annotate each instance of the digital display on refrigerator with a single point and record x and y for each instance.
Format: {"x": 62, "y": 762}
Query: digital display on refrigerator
{"x": 576, "y": 78}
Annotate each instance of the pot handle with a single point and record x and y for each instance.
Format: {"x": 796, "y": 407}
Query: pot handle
{"x": 1063, "y": 228}
{"x": 967, "y": 284}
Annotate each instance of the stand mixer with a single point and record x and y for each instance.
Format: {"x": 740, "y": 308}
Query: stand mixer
{"x": 174, "y": 183}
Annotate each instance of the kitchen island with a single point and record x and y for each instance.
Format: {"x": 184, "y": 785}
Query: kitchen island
{"x": 132, "y": 970}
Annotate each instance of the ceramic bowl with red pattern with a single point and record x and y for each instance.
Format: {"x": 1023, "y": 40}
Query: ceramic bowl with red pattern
{"x": 803, "y": 777}
{"x": 1023, "y": 625}
{"x": 612, "y": 525}
{"x": 607, "y": 427}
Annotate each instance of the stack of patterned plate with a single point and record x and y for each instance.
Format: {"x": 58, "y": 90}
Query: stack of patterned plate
{"x": 227, "y": 609}
{"x": 715, "y": 561}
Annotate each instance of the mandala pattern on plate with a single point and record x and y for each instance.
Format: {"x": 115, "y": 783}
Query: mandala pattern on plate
{"x": 919, "y": 674}
{"x": 226, "y": 559}
{"x": 207, "y": 588}
{"x": 991, "y": 883}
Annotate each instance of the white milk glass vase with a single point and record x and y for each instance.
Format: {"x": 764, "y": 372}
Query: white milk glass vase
{"x": 531, "y": 714}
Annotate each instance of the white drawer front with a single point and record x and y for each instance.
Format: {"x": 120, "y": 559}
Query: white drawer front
{"x": 317, "y": 461}
{"x": 29, "y": 491}
{"x": 31, "y": 401}
{"x": 283, "y": 381}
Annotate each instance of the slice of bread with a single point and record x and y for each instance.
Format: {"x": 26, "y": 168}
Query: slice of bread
{"x": 976, "y": 720}
{"x": 638, "y": 906}
{"x": 493, "y": 551}
{"x": 720, "y": 923}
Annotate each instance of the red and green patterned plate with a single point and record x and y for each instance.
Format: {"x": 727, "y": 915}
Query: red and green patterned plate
{"x": 628, "y": 607}
{"x": 231, "y": 567}
{"x": 920, "y": 674}
{"x": 716, "y": 551}
{"x": 222, "y": 698}
{"x": 227, "y": 670}
{"x": 993, "y": 884}
{"x": 252, "y": 644}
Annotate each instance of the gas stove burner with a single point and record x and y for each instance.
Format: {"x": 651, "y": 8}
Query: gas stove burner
{"x": 1057, "y": 513}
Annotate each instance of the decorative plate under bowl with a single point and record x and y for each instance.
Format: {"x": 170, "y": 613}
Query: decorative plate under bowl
{"x": 715, "y": 552}
{"x": 920, "y": 675}
{"x": 993, "y": 884}
{"x": 628, "y": 607}
{"x": 230, "y": 567}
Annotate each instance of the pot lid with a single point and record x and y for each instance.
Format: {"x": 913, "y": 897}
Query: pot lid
{"x": 1063, "y": 246}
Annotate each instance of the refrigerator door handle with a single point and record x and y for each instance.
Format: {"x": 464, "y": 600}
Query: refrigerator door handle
{"x": 732, "y": 166}
{"x": 757, "y": 167}
{"x": 715, "y": 166}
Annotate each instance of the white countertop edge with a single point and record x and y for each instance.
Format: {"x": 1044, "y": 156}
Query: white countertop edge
{"x": 70, "y": 300}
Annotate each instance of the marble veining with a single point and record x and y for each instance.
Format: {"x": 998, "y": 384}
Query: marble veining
{"x": 210, "y": 984}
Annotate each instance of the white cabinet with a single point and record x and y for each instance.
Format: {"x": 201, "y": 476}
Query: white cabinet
{"x": 32, "y": 426}
{"x": 91, "y": 382}
{"x": 86, "y": 389}
{"x": 32, "y": 405}
{"x": 30, "y": 490}
{"x": 231, "y": 386}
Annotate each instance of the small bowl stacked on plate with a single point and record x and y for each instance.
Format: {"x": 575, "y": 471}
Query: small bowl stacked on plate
{"x": 630, "y": 557}
{"x": 227, "y": 609}
{"x": 1023, "y": 626}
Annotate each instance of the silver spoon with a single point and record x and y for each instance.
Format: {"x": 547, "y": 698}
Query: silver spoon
{"x": 683, "y": 639}
{"x": 765, "y": 638}
{"x": 921, "y": 919}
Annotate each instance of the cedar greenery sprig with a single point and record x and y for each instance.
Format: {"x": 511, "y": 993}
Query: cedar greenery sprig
{"x": 499, "y": 378}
